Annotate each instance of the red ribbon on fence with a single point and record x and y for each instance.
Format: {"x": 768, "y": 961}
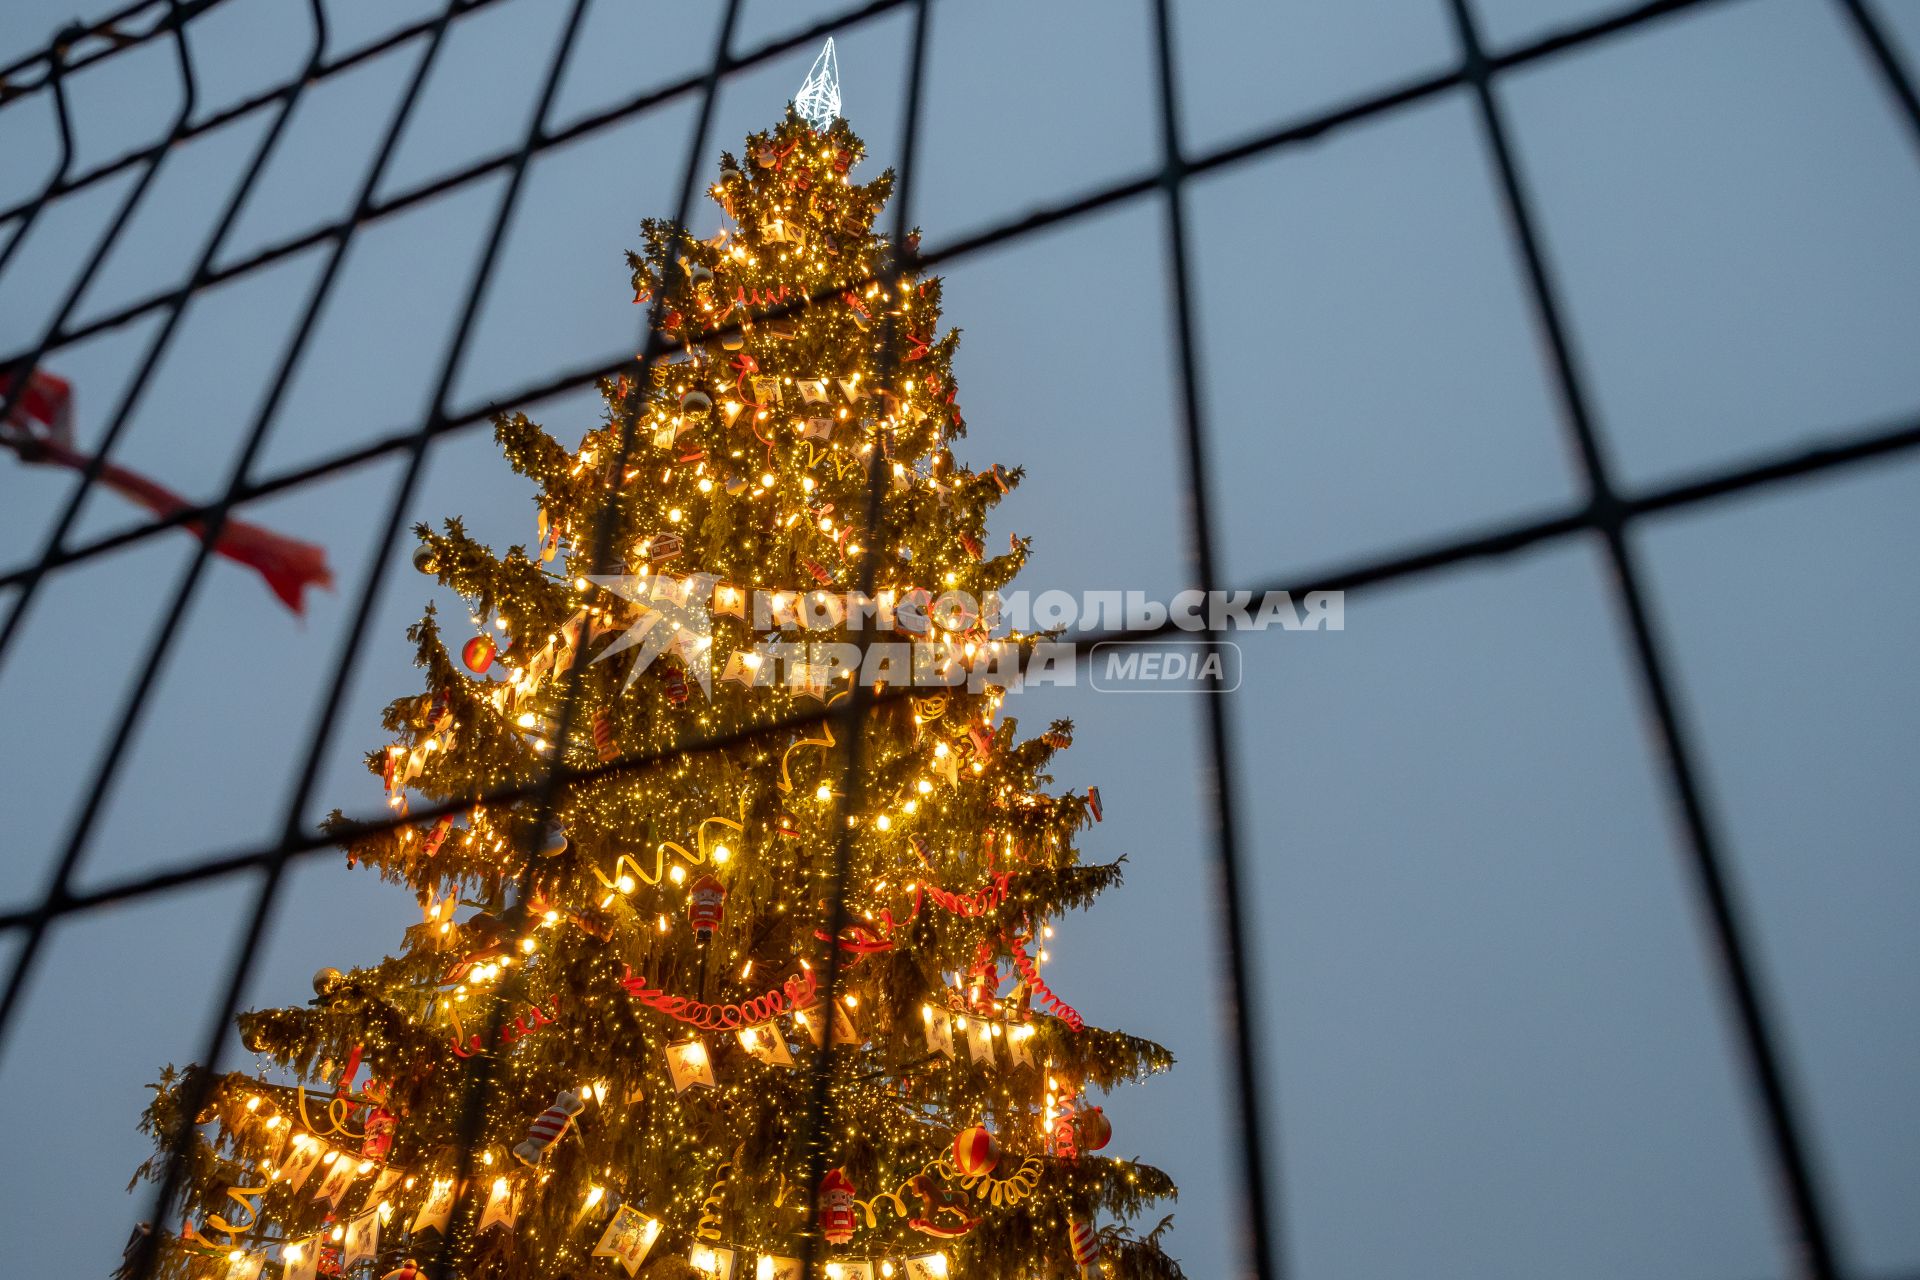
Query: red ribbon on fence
{"x": 288, "y": 566}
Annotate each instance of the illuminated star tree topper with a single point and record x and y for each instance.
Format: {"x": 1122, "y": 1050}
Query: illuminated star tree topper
{"x": 818, "y": 101}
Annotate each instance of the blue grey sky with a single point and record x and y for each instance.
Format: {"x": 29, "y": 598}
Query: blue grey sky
{"x": 1493, "y": 1043}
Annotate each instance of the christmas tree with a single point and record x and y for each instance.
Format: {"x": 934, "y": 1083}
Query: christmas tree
{"x": 605, "y": 1048}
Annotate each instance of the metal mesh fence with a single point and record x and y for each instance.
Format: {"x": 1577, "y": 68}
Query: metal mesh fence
{"x": 1607, "y": 511}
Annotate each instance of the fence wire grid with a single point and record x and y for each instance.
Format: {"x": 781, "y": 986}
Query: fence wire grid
{"x": 1607, "y": 509}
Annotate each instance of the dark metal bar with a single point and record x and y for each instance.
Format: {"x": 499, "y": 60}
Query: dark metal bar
{"x": 198, "y": 1089}
{"x": 1261, "y": 1251}
{"x": 1885, "y": 57}
{"x": 246, "y": 106}
{"x": 819, "y": 1120}
{"x": 176, "y": 307}
{"x": 1412, "y": 562}
{"x": 94, "y": 798}
{"x": 1301, "y": 131}
{"x": 20, "y": 367}
{"x": 1803, "y": 1218}
{"x": 478, "y": 1086}
{"x": 63, "y": 124}
{"x": 589, "y": 124}
{"x": 1313, "y": 126}
{"x": 57, "y": 888}
{"x": 108, "y": 31}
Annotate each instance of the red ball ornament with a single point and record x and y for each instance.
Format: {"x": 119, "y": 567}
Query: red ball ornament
{"x": 1095, "y": 1130}
{"x": 975, "y": 1151}
{"x": 478, "y": 653}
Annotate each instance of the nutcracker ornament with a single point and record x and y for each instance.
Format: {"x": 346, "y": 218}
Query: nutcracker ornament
{"x": 549, "y": 1127}
{"x": 837, "y": 1213}
{"x": 378, "y": 1143}
{"x": 983, "y": 981}
{"x": 706, "y": 903}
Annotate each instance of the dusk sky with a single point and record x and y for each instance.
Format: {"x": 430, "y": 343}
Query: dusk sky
{"x": 1494, "y": 1043}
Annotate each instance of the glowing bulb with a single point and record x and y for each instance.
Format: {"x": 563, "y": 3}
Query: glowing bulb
{"x": 823, "y": 793}
{"x": 883, "y": 822}
{"x": 721, "y": 853}
{"x": 627, "y": 884}
{"x": 678, "y": 875}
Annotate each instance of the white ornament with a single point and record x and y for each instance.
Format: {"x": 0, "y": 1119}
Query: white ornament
{"x": 818, "y": 101}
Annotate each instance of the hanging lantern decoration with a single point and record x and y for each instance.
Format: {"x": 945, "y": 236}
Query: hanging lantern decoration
{"x": 838, "y": 1215}
{"x": 706, "y": 903}
{"x": 478, "y": 653}
{"x": 975, "y": 1152}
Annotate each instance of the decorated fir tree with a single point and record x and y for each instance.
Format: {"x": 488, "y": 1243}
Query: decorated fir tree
{"x": 596, "y": 1054}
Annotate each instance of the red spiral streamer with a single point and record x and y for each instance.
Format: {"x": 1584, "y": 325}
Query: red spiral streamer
{"x": 1031, "y": 972}
{"x": 798, "y": 992}
{"x": 977, "y": 903}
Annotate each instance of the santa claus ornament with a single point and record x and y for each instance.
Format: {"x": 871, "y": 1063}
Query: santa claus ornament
{"x": 549, "y": 1127}
{"x": 837, "y": 1213}
{"x": 706, "y": 903}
